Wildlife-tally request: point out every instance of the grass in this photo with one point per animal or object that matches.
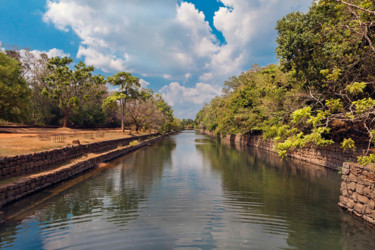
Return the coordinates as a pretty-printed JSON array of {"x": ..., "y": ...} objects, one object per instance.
[
  {"x": 132, "y": 143},
  {"x": 30, "y": 140}
]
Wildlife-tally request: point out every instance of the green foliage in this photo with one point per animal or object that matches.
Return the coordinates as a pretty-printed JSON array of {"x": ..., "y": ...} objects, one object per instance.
[
  {"x": 129, "y": 89},
  {"x": 70, "y": 87},
  {"x": 187, "y": 123},
  {"x": 356, "y": 88},
  {"x": 14, "y": 92},
  {"x": 88, "y": 116},
  {"x": 367, "y": 159},
  {"x": 364, "y": 105},
  {"x": 133, "y": 143},
  {"x": 348, "y": 143},
  {"x": 324, "y": 86},
  {"x": 301, "y": 114}
]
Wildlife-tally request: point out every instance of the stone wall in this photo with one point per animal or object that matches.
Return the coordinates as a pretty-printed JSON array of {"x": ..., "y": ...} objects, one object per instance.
[
  {"x": 27, "y": 185},
  {"x": 31, "y": 163},
  {"x": 331, "y": 156},
  {"x": 358, "y": 190}
]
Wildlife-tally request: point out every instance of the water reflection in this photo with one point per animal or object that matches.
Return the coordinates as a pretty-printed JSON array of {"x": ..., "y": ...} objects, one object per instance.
[
  {"x": 92, "y": 201},
  {"x": 190, "y": 191}
]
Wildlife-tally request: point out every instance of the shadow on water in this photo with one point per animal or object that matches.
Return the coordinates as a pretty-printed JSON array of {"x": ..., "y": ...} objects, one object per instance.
[{"x": 304, "y": 195}]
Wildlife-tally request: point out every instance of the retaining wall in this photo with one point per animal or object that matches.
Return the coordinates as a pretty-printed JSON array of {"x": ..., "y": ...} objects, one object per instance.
[
  {"x": 27, "y": 185},
  {"x": 331, "y": 156},
  {"x": 358, "y": 190},
  {"x": 31, "y": 163}
]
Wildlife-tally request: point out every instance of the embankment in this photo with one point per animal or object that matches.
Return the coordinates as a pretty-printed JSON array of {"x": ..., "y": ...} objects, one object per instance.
[
  {"x": 32, "y": 183},
  {"x": 36, "y": 162},
  {"x": 331, "y": 157},
  {"x": 358, "y": 191}
]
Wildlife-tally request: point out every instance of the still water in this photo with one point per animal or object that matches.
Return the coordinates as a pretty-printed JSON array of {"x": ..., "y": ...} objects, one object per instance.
[{"x": 190, "y": 191}]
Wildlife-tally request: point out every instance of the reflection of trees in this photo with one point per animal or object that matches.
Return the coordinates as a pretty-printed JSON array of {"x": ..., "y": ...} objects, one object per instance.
[
  {"x": 305, "y": 196},
  {"x": 113, "y": 193},
  {"x": 137, "y": 173}
]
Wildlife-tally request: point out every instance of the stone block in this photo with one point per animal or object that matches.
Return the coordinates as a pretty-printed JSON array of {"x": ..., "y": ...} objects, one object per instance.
[
  {"x": 352, "y": 186},
  {"x": 359, "y": 188},
  {"x": 371, "y": 204},
  {"x": 344, "y": 192},
  {"x": 359, "y": 208},
  {"x": 363, "y": 199}
]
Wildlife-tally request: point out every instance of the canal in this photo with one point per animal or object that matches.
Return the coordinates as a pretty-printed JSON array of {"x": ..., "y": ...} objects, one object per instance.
[{"x": 189, "y": 191}]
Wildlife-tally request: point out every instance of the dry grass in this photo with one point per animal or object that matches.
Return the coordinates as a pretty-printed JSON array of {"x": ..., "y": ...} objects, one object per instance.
[{"x": 16, "y": 141}]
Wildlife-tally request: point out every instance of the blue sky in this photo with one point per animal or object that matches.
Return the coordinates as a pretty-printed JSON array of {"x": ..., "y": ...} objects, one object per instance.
[{"x": 184, "y": 50}]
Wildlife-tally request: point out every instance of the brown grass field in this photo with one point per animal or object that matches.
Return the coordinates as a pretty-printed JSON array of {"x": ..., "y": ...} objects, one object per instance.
[{"x": 17, "y": 141}]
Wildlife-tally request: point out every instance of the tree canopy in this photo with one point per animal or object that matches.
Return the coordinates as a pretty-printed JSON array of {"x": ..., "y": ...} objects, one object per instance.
[
  {"x": 14, "y": 92},
  {"x": 322, "y": 92}
]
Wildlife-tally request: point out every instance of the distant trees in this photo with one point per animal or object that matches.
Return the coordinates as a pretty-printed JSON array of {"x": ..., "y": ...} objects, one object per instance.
[{"x": 187, "y": 123}]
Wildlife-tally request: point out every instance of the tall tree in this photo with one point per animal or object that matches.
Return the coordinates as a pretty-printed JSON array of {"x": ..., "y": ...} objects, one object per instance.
[
  {"x": 14, "y": 92},
  {"x": 128, "y": 90},
  {"x": 70, "y": 86}
]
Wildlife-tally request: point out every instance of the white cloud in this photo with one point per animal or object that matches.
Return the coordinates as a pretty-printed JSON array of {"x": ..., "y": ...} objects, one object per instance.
[
  {"x": 106, "y": 62},
  {"x": 206, "y": 77},
  {"x": 155, "y": 36},
  {"x": 187, "y": 76},
  {"x": 187, "y": 101},
  {"x": 144, "y": 83},
  {"x": 164, "y": 39},
  {"x": 167, "y": 76},
  {"x": 51, "y": 53}
]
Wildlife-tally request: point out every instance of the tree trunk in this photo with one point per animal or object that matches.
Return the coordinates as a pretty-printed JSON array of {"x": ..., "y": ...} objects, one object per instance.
[
  {"x": 66, "y": 120},
  {"x": 66, "y": 117},
  {"x": 123, "y": 107}
]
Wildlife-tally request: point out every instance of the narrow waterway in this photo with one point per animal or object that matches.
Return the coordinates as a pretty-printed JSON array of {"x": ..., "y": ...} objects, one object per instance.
[{"x": 190, "y": 191}]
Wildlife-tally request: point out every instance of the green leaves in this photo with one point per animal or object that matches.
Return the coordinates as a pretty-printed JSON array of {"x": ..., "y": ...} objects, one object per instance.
[
  {"x": 70, "y": 87},
  {"x": 14, "y": 92},
  {"x": 356, "y": 88},
  {"x": 301, "y": 114},
  {"x": 348, "y": 143},
  {"x": 364, "y": 105},
  {"x": 334, "y": 105}
]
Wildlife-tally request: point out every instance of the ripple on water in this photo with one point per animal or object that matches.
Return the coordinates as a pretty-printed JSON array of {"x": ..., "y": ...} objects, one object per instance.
[{"x": 192, "y": 192}]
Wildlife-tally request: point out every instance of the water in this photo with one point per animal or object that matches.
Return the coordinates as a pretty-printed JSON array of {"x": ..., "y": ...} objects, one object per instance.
[{"x": 189, "y": 191}]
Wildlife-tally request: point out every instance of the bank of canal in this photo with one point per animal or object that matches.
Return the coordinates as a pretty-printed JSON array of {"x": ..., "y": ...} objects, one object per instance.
[{"x": 189, "y": 190}]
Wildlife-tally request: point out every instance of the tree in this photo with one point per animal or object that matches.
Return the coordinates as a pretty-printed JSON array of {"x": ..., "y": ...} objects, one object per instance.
[
  {"x": 128, "y": 90},
  {"x": 14, "y": 93},
  {"x": 331, "y": 51},
  {"x": 43, "y": 110},
  {"x": 70, "y": 87}
]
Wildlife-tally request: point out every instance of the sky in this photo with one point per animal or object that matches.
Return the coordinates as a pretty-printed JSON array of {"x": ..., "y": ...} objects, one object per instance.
[{"x": 184, "y": 50}]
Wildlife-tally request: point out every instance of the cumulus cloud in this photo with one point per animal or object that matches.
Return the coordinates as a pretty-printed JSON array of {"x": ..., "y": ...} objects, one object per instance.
[
  {"x": 188, "y": 100},
  {"x": 51, "y": 53},
  {"x": 155, "y": 36},
  {"x": 172, "y": 41}
]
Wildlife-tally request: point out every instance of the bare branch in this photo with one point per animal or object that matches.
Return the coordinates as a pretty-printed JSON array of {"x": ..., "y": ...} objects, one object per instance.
[{"x": 356, "y": 6}]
